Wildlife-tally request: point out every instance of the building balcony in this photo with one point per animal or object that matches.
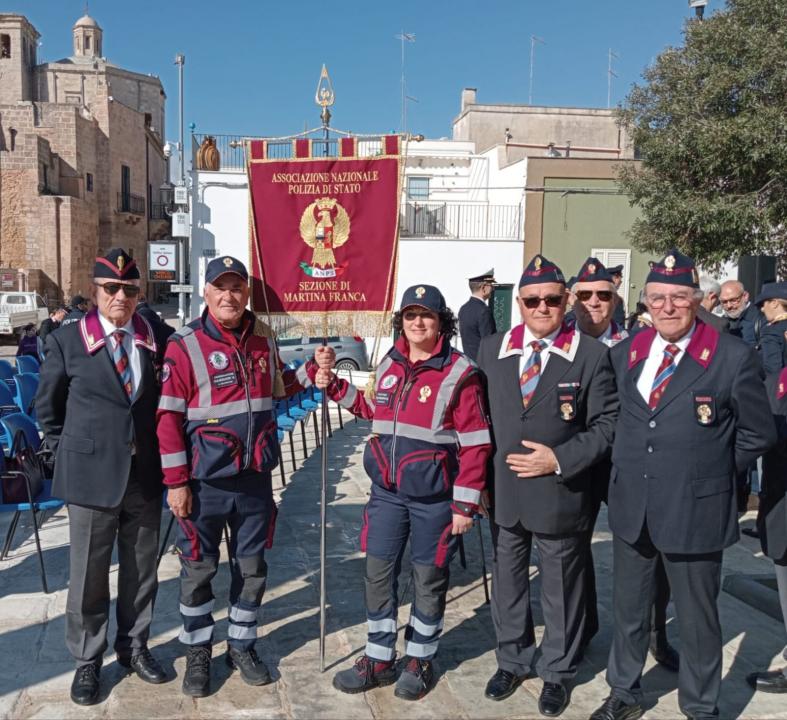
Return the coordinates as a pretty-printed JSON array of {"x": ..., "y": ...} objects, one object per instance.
[
  {"x": 461, "y": 221},
  {"x": 128, "y": 203}
]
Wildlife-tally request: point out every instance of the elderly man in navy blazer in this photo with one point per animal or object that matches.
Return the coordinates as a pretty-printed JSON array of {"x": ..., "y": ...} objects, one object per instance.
[
  {"x": 693, "y": 413},
  {"x": 553, "y": 407}
]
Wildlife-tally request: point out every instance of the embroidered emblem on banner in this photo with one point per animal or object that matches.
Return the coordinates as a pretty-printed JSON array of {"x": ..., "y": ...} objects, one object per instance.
[
  {"x": 388, "y": 382},
  {"x": 424, "y": 393},
  {"x": 218, "y": 360},
  {"x": 325, "y": 226}
]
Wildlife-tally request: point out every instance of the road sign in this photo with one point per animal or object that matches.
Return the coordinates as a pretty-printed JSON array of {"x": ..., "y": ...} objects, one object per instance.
[
  {"x": 181, "y": 288},
  {"x": 162, "y": 261}
]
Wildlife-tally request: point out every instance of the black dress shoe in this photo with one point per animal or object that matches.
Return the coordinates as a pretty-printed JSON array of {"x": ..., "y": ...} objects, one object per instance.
[
  {"x": 503, "y": 684},
  {"x": 145, "y": 666},
  {"x": 771, "y": 681},
  {"x": 553, "y": 699},
  {"x": 615, "y": 709},
  {"x": 665, "y": 655},
  {"x": 84, "y": 688}
]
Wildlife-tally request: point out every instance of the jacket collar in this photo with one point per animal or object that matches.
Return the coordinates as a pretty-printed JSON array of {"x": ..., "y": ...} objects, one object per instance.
[
  {"x": 93, "y": 337},
  {"x": 565, "y": 343},
  {"x": 441, "y": 354},
  {"x": 215, "y": 330},
  {"x": 701, "y": 347}
]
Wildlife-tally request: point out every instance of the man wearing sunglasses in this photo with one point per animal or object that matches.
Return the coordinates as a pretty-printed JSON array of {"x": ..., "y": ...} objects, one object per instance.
[
  {"x": 553, "y": 407},
  {"x": 96, "y": 404},
  {"x": 693, "y": 412}
]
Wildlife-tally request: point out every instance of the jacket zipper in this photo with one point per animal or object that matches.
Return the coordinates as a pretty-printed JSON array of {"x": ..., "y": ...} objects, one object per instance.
[
  {"x": 247, "y": 449},
  {"x": 401, "y": 403}
]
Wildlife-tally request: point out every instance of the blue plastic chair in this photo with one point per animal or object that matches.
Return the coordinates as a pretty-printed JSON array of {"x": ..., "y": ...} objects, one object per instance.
[
  {"x": 7, "y": 370},
  {"x": 26, "y": 388},
  {"x": 285, "y": 424},
  {"x": 27, "y": 364},
  {"x": 26, "y": 436}
]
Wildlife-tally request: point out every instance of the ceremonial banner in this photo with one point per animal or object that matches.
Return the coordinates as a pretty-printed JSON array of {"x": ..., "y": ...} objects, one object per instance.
[{"x": 324, "y": 236}]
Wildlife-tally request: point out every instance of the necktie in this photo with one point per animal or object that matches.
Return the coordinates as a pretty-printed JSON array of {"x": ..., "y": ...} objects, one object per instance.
[
  {"x": 663, "y": 375},
  {"x": 532, "y": 372},
  {"x": 122, "y": 365}
]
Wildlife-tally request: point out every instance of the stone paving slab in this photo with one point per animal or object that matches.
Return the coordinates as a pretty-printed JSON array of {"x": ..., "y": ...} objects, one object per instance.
[{"x": 36, "y": 671}]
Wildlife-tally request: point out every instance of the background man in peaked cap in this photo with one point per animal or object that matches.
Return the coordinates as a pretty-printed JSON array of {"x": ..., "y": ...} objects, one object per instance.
[
  {"x": 693, "y": 412},
  {"x": 96, "y": 404},
  {"x": 476, "y": 319},
  {"x": 553, "y": 407}
]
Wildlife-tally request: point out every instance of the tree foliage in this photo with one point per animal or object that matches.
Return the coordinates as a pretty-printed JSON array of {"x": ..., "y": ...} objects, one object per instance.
[{"x": 710, "y": 126}]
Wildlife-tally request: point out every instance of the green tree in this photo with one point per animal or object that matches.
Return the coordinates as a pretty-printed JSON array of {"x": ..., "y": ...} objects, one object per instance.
[{"x": 710, "y": 126}]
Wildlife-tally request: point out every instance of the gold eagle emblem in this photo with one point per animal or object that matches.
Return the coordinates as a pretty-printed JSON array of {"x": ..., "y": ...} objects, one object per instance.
[{"x": 325, "y": 225}]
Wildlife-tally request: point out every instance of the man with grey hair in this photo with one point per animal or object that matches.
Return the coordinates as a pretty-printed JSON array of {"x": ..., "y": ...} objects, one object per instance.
[
  {"x": 710, "y": 299},
  {"x": 745, "y": 318}
]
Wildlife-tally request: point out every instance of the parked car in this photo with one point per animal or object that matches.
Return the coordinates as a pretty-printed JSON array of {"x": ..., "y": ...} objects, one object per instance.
[
  {"x": 18, "y": 309},
  {"x": 350, "y": 351}
]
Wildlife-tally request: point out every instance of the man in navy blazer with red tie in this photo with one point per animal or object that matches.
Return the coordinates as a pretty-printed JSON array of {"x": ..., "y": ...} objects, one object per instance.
[{"x": 693, "y": 413}]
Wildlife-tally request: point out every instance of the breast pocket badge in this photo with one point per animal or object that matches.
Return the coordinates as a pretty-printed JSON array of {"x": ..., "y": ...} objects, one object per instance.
[
  {"x": 567, "y": 402},
  {"x": 704, "y": 409}
]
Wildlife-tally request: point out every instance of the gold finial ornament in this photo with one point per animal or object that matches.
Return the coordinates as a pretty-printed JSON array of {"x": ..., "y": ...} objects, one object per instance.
[{"x": 324, "y": 96}]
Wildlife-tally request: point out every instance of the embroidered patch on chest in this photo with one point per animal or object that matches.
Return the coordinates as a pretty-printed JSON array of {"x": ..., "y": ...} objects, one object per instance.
[{"x": 218, "y": 360}]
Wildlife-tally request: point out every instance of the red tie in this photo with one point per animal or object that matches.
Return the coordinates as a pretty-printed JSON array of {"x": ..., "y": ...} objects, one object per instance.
[{"x": 663, "y": 375}]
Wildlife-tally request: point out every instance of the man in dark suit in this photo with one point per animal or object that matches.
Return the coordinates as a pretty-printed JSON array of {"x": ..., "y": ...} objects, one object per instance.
[
  {"x": 553, "y": 406},
  {"x": 96, "y": 403},
  {"x": 745, "y": 318},
  {"x": 619, "y": 314},
  {"x": 476, "y": 320},
  {"x": 711, "y": 289},
  {"x": 161, "y": 330},
  {"x": 693, "y": 412}
]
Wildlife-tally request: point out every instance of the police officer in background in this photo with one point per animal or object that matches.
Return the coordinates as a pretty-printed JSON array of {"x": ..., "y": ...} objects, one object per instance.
[
  {"x": 79, "y": 306},
  {"x": 693, "y": 411},
  {"x": 217, "y": 433},
  {"x": 772, "y": 300},
  {"x": 476, "y": 319},
  {"x": 619, "y": 315}
]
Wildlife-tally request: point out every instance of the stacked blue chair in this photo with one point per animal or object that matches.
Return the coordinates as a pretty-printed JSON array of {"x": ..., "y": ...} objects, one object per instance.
[
  {"x": 27, "y": 364},
  {"x": 7, "y": 372},
  {"x": 22, "y": 437},
  {"x": 26, "y": 385}
]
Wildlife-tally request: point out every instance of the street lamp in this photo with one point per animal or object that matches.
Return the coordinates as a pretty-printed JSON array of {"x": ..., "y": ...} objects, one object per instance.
[{"x": 699, "y": 7}]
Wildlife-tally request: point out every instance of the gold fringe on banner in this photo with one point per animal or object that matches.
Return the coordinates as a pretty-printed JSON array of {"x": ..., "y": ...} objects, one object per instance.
[{"x": 321, "y": 324}]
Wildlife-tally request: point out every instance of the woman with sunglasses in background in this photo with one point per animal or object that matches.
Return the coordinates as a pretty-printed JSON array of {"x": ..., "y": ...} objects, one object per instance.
[{"x": 427, "y": 463}]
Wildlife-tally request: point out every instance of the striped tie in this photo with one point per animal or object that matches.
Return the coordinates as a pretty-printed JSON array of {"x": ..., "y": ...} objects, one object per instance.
[
  {"x": 120, "y": 356},
  {"x": 532, "y": 372},
  {"x": 663, "y": 375}
]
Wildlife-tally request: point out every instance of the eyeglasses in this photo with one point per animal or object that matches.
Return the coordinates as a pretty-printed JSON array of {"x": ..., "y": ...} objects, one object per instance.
[
  {"x": 732, "y": 301},
  {"x": 679, "y": 301},
  {"x": 585, "y": 295},
  {"x": 551, "y": 301},
  {"x": 112, "y": 288},
  {"x": 411, "y": 315}
]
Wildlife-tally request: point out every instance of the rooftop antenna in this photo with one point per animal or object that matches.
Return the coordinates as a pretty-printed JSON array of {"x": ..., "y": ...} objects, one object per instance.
[
  {"x": 404, "y": 37},
  {"x": 533, "y": 40},
  {"x": 610, "y": 74}
]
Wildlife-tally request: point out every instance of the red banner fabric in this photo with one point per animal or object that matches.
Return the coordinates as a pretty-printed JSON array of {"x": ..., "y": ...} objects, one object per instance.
[{"x": 324, "y": 240}]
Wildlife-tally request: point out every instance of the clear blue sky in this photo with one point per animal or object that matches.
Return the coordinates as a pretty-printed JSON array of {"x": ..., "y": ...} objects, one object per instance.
[{"x": 252, "y": 65}]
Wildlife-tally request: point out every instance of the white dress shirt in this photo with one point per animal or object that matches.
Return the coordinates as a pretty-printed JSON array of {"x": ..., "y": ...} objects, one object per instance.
[
  {"x": 656, "y": 355},
  {"x": 130, "y": 346},
  {"x": 527, "y": 351}
]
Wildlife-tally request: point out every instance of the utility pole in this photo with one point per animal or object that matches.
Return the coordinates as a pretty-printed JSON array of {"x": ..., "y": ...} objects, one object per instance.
[
  {"x": 533, "y": 40},
  {"x": 404, "y": 37},
  {"x": 610, "y": 74},
  {"x": 180, "y": 61}
]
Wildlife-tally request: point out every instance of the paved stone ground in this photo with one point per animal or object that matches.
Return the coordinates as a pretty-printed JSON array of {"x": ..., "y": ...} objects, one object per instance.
[{"x": 35, "y": 670}]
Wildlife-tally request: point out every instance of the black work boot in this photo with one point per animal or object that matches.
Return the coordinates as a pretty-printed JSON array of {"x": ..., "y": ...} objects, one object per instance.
[
  {"x": 366, "y": 674},
  {"x": 196, "y": 680},
  {"x": 416, "y": 679},
  {"x": 252, "y": 669}
]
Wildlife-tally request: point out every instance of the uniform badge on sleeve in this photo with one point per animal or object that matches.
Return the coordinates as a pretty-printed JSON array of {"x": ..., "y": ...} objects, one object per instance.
[
  {"x": 166, "y": 372},
  {"x": 218, "y": 360}
]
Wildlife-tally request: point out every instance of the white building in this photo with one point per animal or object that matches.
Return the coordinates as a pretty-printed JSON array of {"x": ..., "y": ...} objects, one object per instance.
[{"x": 462, "y": 213}]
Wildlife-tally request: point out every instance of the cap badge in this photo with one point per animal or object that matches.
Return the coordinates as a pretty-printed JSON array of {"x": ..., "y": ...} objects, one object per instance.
[
  {"x": 121, "y": 261},
  {"x": 538, "y": 263},
  {"x": 592, "y": 268},
  {"x": 669, "y": 262},
  {"x": 424, "y": 393},
  {"x": 218, "y": 360},
  {"x": 420, "y": 292},
  {"x": 227, "y": 262}
]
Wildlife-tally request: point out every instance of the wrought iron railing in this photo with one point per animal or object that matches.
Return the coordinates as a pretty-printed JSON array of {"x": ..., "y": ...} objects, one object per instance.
[
  {"x": 158, "y": 211},
  {"x": 128, "y": 203},
  {"x": 462, "y": 221}
]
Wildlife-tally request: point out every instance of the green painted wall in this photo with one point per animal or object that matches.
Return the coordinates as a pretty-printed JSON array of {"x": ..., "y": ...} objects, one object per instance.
[{"x": 573, "y": 224}]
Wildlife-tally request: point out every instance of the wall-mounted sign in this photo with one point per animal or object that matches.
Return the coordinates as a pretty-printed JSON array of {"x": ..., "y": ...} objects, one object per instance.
[
  {"x": 181, "y": 195},
  {"x": 162, "y": 261},
  {"x": 180, "y": 224}
]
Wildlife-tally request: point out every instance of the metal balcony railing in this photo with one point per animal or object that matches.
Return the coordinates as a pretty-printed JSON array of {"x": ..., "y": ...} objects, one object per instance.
[
  {"x": 128, "y": 203},
  {"x": 158, "y": 211},
  {"x": 462, "y": 221}
]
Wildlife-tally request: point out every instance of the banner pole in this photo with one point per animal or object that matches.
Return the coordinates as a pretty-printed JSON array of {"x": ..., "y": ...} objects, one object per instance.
[{"x": 323, "y": 504}]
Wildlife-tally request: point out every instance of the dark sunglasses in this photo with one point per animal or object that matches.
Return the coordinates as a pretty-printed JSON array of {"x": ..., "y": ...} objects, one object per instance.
[
  {"x": 552, "y": 301},
  {"x": 112, "y": 288},
  {"x": 585, "y": 295}
]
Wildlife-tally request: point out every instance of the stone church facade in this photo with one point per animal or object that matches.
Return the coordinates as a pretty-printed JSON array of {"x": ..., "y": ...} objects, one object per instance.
[{"x": 81, "y": 159}]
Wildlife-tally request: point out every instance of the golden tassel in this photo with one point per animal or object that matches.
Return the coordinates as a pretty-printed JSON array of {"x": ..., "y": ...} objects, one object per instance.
[
  {"x": 278, "y": 385},
  {"x": 370, "y": 385}
]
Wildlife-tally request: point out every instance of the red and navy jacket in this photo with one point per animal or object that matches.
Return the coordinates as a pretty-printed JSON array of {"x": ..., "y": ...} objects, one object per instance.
[
  {"x": 430, "y": 427},
  {"x": 215, "y": 416}
]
